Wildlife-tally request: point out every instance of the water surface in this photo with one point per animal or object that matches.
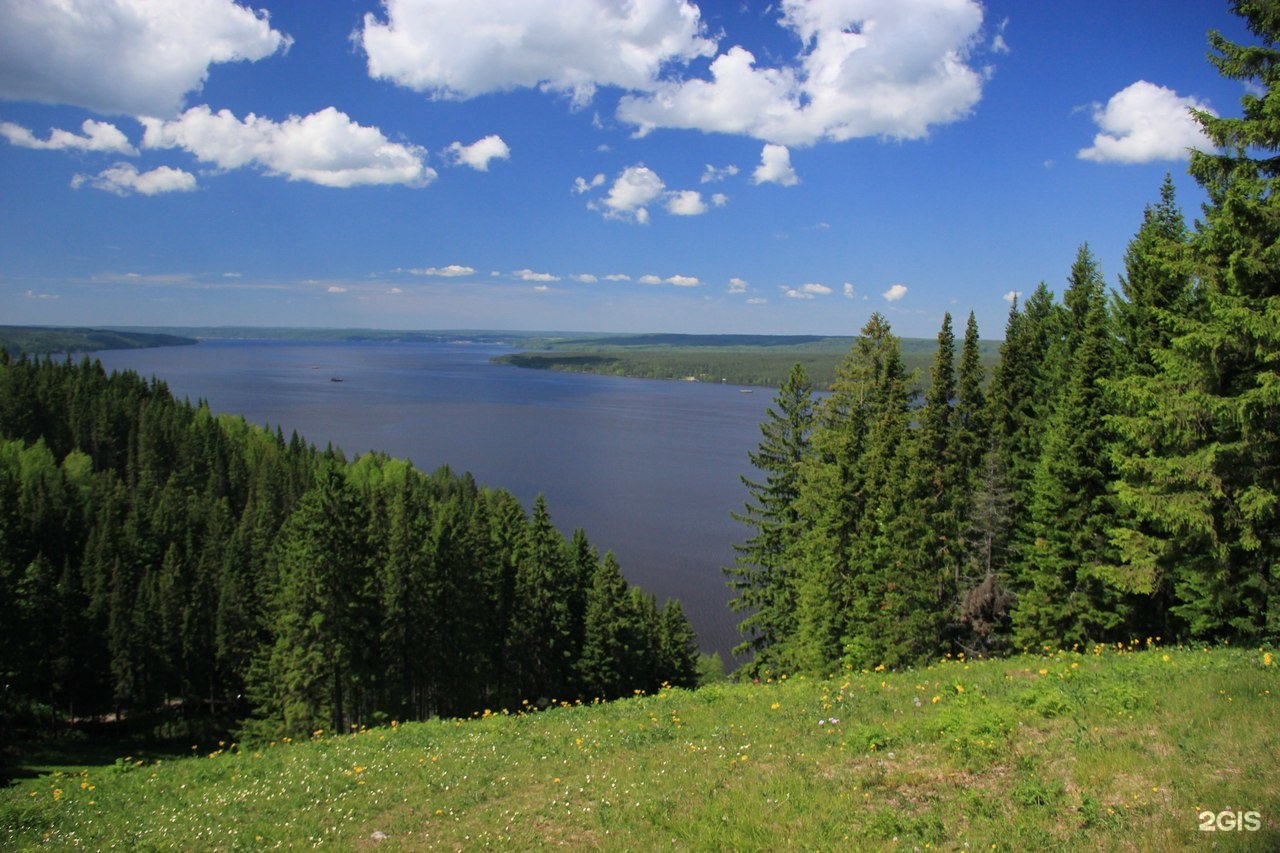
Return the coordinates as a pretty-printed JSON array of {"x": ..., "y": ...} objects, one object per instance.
[{"x": 649, "y": 469}]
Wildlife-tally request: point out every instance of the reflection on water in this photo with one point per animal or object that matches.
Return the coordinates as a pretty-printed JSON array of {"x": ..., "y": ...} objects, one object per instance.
[{"x": 650, "y": 469}]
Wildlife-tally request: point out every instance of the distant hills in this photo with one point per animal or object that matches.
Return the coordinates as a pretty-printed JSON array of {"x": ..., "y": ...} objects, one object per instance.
[{"x": 42, "y": 340}]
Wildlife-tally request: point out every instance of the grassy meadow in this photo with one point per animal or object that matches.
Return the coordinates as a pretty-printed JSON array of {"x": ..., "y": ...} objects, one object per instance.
[{"x": 1108, "y": 748}]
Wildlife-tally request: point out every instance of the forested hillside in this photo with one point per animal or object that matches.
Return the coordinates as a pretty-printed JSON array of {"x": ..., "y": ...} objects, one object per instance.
[
  {"x": 1119, "y": 477},
  {"x": 734, "y": 359},
  {"x": 157, "y": 561},
  {"x": 47, "y": 339}
]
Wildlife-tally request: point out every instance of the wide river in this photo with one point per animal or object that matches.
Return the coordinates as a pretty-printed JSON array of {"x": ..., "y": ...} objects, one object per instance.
[{"x": 649, "y": 469}]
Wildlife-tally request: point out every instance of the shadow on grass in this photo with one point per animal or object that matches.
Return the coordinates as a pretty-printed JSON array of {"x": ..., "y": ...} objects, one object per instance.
[{"x": 27, "y": 753}]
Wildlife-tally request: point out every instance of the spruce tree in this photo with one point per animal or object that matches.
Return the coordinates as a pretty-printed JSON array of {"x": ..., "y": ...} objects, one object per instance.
[
  {"x": 859, "y": 429},
  {"x": 318, "y": 617},
  {"x": 1158, "y": 294},
  {"x": 911, "y": 543},
  {"x": 970, "y": 419},
  {"x": 1205, "y": 481},
  {"x": 1156, "y": 288},
  {"x": 610, "y": 645},
  {"x": 761, "y": 578},
  {"x": 1023, "y": 390},
  {"x": 1063, "y": 594},
  {"x": 542, "y": 637},
  {"x": 677, "y": 647}
]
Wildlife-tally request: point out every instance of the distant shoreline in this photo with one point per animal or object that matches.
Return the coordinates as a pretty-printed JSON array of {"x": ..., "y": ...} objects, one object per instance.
[
  {"x": 46, "y": 340},
  {"x": 731, "y": 359}
]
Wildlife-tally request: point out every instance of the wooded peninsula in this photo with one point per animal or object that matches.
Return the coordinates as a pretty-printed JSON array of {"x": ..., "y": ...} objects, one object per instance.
[{"x": 761, "y": 360}]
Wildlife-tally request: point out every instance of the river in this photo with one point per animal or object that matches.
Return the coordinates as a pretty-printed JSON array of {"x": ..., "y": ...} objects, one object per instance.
[{"x": 649, "y": 469}]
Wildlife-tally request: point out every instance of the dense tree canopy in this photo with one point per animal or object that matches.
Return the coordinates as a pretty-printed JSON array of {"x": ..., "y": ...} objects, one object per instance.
[
  {"x": 156, "y": 556},
  {"x": 1119, "y": 477}
]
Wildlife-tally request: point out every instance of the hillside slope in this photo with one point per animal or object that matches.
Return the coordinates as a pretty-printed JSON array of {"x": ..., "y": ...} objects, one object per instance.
[
  {"x": 1127, "y": 749},
  {"x": 40, "y": 340}
]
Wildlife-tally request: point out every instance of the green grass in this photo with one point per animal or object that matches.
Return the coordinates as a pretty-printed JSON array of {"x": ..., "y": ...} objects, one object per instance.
[{"x": 1110, "y": 749}]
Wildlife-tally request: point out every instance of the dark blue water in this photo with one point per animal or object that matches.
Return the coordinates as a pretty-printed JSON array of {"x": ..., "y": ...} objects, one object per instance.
[{"x": 649, "y": 469}]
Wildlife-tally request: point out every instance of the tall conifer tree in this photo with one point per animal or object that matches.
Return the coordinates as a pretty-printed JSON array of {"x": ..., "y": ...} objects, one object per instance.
[
  {"x": 860, "y": 428},
  {"x": 1063, "y": 595},
  {"x": 761, "y": 577},
  {"x": 1204, "y": 481}
]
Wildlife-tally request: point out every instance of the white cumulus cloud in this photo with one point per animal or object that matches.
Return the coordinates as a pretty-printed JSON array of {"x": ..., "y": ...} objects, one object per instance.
[
  {"x": 686, "y": 203},
  {"x": 683, "y": 280},
  {"x": 1143, "y": 123},
  {"x": 585, "y": 278},
  {"x": 325, "y": 147},
  {"x": 125, "y": 179},
  {"x": 98, "y": 136},
  {"x": 464, "y": 48},
  {"x": 1012, "y": 296},
  {"x": 894, "y": 293},
  {"x": 131, "y": 57},
  {"x": 848, "y": 290},
  {"x": 737, "y": 285},
  {"x": 775, "y": 167},
  {"x": 480, "y": 153},
  {"x": 631, "y": 192},
  {"x": 650, "y": 279},
  {"x": 888, "y": 68}
]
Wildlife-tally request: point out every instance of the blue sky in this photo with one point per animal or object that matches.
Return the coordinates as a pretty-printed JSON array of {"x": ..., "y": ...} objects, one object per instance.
[{"x": 596, "y": 165}]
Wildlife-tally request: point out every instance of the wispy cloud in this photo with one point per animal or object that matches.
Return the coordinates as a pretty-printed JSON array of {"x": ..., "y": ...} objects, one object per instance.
[
  {"x": 99, "y": 136},
  {"x": 530, "y": 275},
  {"x": 712, "y": 174},
  {"x": 450, "y": 271},
  {"x": 807, "y": 291}
]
